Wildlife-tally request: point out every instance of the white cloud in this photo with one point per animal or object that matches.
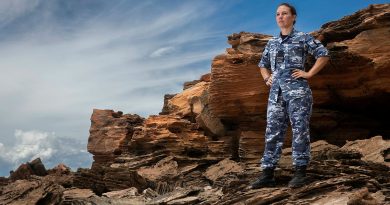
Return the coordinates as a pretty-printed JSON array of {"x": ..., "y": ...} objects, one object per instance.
[
  {"x": 50, "y": 148},
  {"x": 28, "y": 145},
  {"x": 162, "y": 51}
]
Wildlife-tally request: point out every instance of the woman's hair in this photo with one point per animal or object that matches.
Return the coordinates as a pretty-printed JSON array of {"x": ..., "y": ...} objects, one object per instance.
[{"x": 292, "y": 9}]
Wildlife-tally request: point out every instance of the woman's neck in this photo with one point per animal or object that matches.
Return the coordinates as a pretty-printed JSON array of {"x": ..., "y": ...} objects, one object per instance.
[{"x": 286, "y": 31}]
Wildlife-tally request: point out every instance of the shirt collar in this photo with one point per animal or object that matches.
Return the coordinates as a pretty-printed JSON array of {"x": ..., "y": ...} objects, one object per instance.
[{"x": 293, "y": 31}]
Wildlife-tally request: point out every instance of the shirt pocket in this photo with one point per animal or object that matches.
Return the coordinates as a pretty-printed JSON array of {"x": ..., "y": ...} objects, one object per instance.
[
  {"x": 272, "y": 54},
  {"x": 295, "y": 55}
]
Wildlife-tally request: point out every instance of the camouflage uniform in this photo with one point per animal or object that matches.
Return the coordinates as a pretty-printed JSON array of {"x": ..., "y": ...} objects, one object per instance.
[{"x": 289, "y": 98}]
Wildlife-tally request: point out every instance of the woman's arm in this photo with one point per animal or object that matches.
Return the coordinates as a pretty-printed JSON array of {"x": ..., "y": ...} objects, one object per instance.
[
  {"x": 267, "y": 76},
  {"x": 265, "y": 65},
  {"x": 319, "y": 64}
]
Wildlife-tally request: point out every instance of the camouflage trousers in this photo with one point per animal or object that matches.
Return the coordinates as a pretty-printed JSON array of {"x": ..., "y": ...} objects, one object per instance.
[{"x": 298, "y": 110}]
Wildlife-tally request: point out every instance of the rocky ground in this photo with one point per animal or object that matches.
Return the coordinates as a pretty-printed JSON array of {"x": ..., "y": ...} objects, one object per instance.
[
  {"x": 357, "y": 173},
  {"x": 205, "y": 145}
]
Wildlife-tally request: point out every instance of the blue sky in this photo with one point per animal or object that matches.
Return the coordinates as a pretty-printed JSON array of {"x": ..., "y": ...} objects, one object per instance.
[{"x": 61, "y": 59}]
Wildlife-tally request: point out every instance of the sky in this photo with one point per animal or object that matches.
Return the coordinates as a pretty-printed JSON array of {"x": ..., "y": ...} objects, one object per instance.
[{"x": 61, "y": 59}]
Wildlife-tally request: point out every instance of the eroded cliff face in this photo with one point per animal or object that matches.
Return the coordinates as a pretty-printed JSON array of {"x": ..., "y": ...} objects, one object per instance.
[{"x": 205, "y": 145}]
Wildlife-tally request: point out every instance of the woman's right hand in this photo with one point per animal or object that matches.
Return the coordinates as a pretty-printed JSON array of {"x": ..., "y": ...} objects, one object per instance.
[{"x": 269, "y": 81}]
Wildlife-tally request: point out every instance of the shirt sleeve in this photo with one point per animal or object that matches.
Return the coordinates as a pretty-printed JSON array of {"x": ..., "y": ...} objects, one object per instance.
[
  {"x": 265, "y": 58},
  {"x": 315, "y": 47}
]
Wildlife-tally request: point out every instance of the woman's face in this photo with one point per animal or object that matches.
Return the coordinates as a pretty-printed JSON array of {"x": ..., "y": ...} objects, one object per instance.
[{"x": 284, "y": 17}]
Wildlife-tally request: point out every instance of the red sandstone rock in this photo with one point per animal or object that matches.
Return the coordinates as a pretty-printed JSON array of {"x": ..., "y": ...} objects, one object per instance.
[
  {"x": 169, "y": 133},
  {"x": 185, "y": 104},
  {"x": 109, "y": 132},
  {"x": 236, "y": 91},
  {"x": 203, "y": 78},
  {"x": 206, "y": 77},
  {"x": 32, "y": 191},
  {"x": 24, "y": 171},
  {"x": 221, "y": 168},
  {"x": 3, "y": 181},
  {"x": 373, "y": 149},
  {"x": 166, "y": 168},
  {"x": 211, "y": 124},
  {"x": 60, "y": 169}
]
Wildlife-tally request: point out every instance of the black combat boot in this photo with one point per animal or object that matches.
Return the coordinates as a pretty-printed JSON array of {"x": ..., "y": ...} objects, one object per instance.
[
  {"x": 299, "y": 178},
  {"x": 266, "y": 179}
]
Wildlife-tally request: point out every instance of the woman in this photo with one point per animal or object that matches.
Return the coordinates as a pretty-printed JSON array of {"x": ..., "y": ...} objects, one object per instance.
[{"x": 282, "y": 67}]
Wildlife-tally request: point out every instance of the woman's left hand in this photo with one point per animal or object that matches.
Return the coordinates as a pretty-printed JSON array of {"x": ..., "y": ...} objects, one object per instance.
[{"x": 300, "y": 74}]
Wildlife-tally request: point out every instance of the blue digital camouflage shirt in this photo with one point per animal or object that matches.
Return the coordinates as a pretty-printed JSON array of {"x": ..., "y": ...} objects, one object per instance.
[{"x": 283, "y": 56}]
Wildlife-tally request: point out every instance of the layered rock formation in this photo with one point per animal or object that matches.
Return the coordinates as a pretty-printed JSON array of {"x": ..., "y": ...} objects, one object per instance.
[
  {"x": 205, "y": 145},
  {"x": 179, "y": 143},
  {"x": 350, "y": 93},
  {"x": 25, "y": 171},
  {"x": 352, "y": 174}
]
